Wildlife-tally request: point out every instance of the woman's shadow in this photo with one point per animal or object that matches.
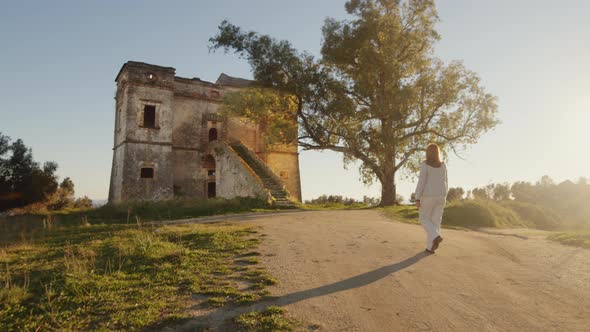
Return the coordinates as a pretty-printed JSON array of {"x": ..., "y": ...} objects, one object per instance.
[
  {"x": 350, "y": 283},
  {"x": 360, "y": 280}
]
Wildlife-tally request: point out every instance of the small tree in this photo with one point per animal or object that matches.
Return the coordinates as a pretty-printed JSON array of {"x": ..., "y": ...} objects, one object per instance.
[
  {"x": 501, "y": 192},
  {"x": 64, "y": 196},
  {"x": 523, "y": 191},
  {"x": 83, "y": 203},
  {"x": 481, "y": 193},
  {"x": 455, "y": 194},
  {"x": 22, "y": 180}
]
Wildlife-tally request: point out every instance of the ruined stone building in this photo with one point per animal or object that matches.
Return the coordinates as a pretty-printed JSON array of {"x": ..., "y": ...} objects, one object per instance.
[{"x": 171, "y": 142}]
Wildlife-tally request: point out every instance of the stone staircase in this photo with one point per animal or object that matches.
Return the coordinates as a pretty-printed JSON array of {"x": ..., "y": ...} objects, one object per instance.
[{"x": 271, "y": 182}]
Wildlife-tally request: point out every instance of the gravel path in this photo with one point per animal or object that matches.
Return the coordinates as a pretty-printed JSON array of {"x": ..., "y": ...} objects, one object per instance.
[{"x": 358, "y": 271}]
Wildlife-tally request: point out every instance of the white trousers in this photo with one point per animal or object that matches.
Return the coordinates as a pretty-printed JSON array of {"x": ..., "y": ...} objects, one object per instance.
[{"x": 430, "y": 216}]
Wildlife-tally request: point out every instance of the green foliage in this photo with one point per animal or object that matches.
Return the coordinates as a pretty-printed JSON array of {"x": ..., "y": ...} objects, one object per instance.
[
  {"x": 122, "y": 277},
  {"x": 271, "y": 319},
  {"x": 568, "y": 199},
  {"x": 488, "y": 213},
  {"x": 455, "y": 194},
  {"x": 545, "y": 201},
  {"x": 498, "y": 192},
  {"x": 338, "y": 202},
  {"x": 276, "y": 112},
  {"x": 483, "y": 193},
  {"x": 377, "y": 95},
  {"x": 539, "y": 216},
  {"x": 130, "y": 213},
  {"x": 339, "y": 199},
  {"x": 22, "y": 180},
  {"x": 175, "y": 209},
  {"x": 83, "y": 203},
  {"x": 481, "y": 213},
  {"x": 335, "y": 206},
  {"x": 576, "y": 239},
  {"x": 405, "y": 213},
  {"x": 463, "y": 214},
  {"x": 501, "y": 192},
  {"x": 63, "y": 197}
]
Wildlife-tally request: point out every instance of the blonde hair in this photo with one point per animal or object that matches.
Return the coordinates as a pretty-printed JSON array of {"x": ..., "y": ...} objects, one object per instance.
[{"x": 433, "y": 155}]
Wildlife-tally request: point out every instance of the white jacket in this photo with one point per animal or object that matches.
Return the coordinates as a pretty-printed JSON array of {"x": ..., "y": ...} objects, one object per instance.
[{"x": 432, "y": 182}]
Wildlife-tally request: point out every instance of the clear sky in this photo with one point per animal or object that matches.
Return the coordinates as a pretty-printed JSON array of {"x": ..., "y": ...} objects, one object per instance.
[{"x": 58, "y": 61}]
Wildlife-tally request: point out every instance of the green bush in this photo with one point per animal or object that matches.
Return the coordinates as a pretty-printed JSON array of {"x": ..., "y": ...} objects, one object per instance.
[
  {"x": 576, "y": 239},
  {"x": 481, "y": 213},
  {"x": 539, "y": 216},
  {"x": 335, "y": 206},
  {"x": 405, "y": 213}
]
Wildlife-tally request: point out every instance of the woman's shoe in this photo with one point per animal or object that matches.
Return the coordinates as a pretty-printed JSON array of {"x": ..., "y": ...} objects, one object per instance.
[
  {"x": 436, "y": 242},
  {"x": 430, "y": 251}
]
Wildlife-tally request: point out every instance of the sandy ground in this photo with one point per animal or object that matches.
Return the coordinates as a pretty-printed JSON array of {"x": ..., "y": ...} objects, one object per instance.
[{"x": 359, "y": 271}]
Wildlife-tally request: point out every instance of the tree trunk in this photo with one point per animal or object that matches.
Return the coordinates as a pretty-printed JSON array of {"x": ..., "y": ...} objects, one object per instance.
[
  {"x": 388, "y": 189},
  {"x": 388, "y": 166}
]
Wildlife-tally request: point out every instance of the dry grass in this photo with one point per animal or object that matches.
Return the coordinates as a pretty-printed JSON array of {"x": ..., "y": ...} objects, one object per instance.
[{"x": 125, "y": 277}]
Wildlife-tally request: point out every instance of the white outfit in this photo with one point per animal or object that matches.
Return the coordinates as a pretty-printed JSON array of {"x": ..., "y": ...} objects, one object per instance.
[{"x": 432, "y": 191}]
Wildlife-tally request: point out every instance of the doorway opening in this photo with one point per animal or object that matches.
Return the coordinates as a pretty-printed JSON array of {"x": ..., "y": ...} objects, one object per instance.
[
  {"x": 210, "y": 189},
  {"x": 209, "y": 166}
]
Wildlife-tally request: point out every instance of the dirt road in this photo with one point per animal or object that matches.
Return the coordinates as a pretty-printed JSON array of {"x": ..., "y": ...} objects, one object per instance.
[{"x": 358, "y": 271}]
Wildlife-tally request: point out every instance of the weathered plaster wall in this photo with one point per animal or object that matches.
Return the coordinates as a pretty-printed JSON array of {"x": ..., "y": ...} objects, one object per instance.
[
  {"x": 138, "y": 97},
  {"x": 188, "y": 177},
  {"x": 234, "y": 178},
  {"x": 121, "y": 115},
  {"x": 244, "y": 131},
  {"x": 286, "y": 166},
  {"x": 116, "y": 184},
  {"x": 187, "y": 122},
  {"x": 138, "y": 155}
]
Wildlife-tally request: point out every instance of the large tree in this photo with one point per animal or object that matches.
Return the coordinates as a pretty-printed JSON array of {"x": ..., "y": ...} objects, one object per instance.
[
  {"x": 377, "y": 94},
  {"x": 22, "y": 180}
]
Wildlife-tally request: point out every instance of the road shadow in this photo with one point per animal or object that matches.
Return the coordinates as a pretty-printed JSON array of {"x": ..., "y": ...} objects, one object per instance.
[
  {"x": 350, "y": 283},
  {"x": 219, "y": 316}
]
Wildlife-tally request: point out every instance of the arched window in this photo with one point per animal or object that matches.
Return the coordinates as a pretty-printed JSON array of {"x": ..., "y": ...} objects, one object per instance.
[{"x": 212, "y": 134}]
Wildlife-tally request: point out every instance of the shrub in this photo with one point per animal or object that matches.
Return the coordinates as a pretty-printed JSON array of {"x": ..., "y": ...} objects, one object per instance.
[
  {"x": 454, "y": 194},
  {"x": 576, "y": 239},
  {"x": 539, "y": 216},
  {"x": 480, "y": 213}
]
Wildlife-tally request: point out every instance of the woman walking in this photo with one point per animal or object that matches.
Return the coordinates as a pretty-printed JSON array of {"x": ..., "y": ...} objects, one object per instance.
[{"x": 431, "y": 195}]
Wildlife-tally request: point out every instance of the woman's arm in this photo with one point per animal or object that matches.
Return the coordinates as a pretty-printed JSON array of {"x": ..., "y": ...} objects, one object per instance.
[
  {"x": 421, "y": 181},
  {"x": 446, "y": 180}
]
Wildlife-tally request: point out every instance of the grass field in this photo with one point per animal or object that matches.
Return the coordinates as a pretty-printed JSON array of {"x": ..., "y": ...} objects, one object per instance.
[
  {"x": 335, "y": 206},
  {"x": 127, "y": 214},
  {"x": 468, "y": 214},
  {"x": 126, "y": 277},
  {"x": 408, "y": 214},
  {"x": 153, "y": 211},
  {"x": 271, "y": 319},
  {"x": 576, "y": 239},
  {"x": 475, "y": 214}
]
